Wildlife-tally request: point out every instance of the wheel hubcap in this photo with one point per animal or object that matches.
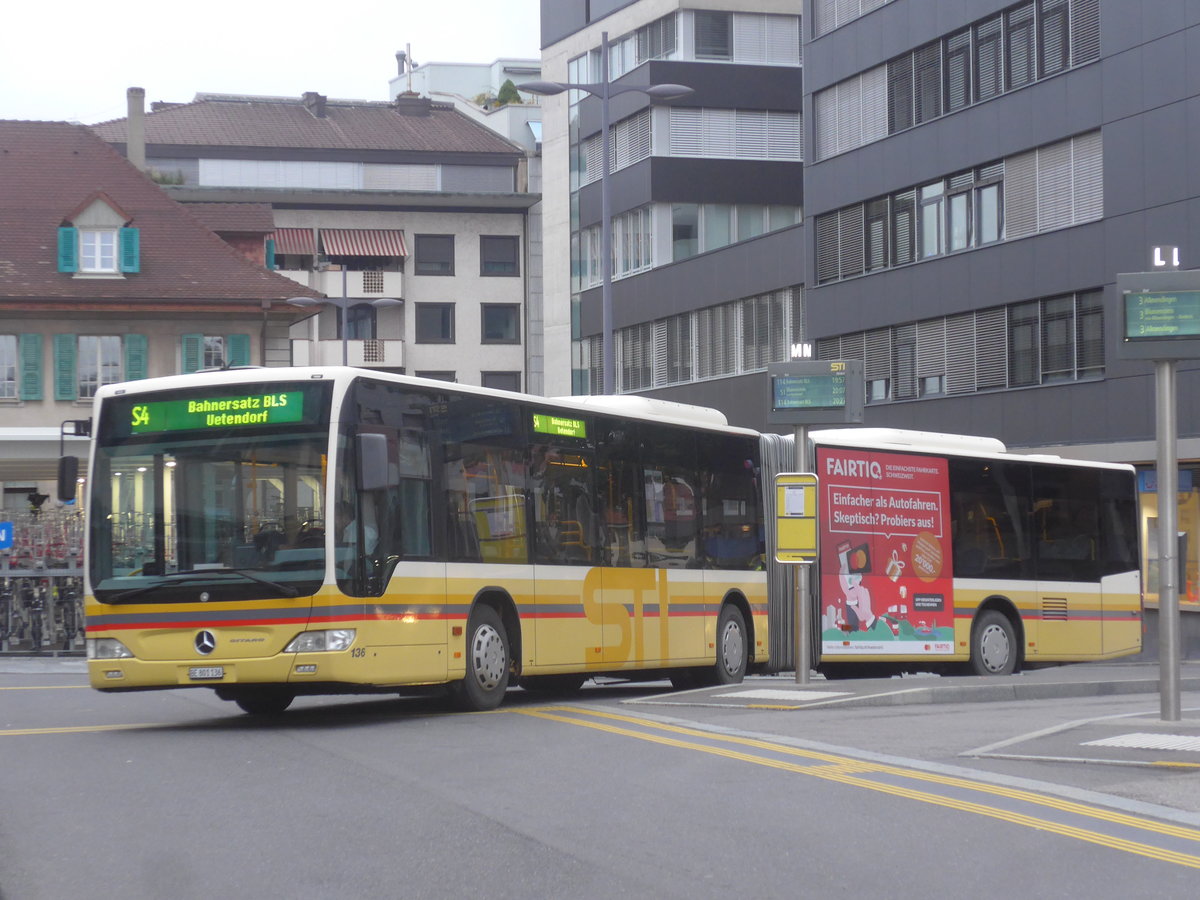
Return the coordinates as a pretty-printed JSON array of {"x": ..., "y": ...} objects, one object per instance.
[
  {"x": 733, "y": 648},
  {"x": 488, "y": 658},
  {"x": 994, "y": 649}
]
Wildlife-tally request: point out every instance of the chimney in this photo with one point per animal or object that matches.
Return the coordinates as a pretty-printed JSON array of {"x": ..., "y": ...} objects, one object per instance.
[
  {"x": 314, "y": 103},
  {"x": 412, "y": 104},
  {"x": 135, "y": 138}
]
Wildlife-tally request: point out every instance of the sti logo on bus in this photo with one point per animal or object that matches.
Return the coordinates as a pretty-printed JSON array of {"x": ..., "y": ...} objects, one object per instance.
[{"x": 216, "y": 412}]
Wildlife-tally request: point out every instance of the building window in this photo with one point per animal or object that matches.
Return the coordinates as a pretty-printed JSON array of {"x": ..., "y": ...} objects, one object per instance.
[
  {"x": 97, "y": 250},
  {"x": 439, "y": 375},
  {"x": 9, "y": 363},
  {"x": 97, "y": 362},
  {"x": 214, "y": 351},
  {"x": 435, "y": 323},
  {"x": 501, "y": 323},
  {"x": 501, "y": 381},
  {"x": 685, "y": 230},
  {"x": 361, "y": 320},
  {"x": 499, "y": 255},
  {"x": 714, "y": 35},
  {"x": 434, "y": 254}
]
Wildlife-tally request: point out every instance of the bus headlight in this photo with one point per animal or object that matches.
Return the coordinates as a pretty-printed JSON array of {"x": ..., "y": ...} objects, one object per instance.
[
  {"x": 107, "y": 648},
  {"x": 321, "y": 641}
]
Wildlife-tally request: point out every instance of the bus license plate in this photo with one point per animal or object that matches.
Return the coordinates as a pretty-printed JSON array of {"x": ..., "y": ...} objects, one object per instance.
[{"x": 200, "y": 673}]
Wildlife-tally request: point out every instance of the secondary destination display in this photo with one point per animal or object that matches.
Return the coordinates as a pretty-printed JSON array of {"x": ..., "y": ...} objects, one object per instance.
[
  {"x": 1154, "y": 315},
  {"x": 559, "y": 426},
  {"x": 816, "y": 392},
  {"x": 827, "y": 391},
  {"x": 216, "y": 412}
]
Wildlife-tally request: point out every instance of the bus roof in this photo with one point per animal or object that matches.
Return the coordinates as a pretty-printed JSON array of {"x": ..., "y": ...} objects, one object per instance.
[
  {"x": 936, "y": 442},
  {"x": 625, "y": 406}
]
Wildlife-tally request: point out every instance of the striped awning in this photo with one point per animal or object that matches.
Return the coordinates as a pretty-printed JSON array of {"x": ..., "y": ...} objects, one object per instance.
[
  {"x": 298, "y": 241},
  {"x": 363, "y": 242}
]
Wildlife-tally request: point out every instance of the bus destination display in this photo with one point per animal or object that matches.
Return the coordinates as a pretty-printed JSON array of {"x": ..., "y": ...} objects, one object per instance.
[
  {"x": 1155, "y": 315},
  {"x": 216, "y": 412},
  {"x": 825, "y": 391},
  {"x": 559, "y": 426}
]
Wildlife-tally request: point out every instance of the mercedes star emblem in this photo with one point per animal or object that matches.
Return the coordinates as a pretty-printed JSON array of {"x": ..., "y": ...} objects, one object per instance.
[{"x": 206, "y": 642}]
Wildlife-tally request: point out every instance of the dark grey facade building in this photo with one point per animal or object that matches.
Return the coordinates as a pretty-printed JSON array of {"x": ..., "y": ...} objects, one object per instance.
[{"x": 975, "y": 175}]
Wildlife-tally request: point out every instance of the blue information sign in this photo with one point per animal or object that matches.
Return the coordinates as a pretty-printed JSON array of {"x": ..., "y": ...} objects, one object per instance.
[{"x": 6, "y": 535}]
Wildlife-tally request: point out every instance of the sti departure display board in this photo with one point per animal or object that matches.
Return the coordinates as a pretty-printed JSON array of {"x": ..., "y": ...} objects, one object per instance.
[
  {"x": 812, "y": 392},
  {"x": 1155, "y": 315}
]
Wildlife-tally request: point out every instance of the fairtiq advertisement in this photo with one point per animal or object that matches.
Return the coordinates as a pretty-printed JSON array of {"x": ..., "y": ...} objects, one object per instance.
[{"x": 886, "y": 580}]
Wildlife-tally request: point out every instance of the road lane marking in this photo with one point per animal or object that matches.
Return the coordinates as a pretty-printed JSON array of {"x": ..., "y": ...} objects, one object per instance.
[
  {"x": 47, "y": 687},
  {"x": 861, "y": 773},
  {"x": 76, "y": 729}
]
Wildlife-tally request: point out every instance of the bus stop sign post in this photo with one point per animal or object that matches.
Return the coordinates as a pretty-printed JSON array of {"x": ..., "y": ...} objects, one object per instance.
[
  {"x": 802, "y": 393},
  {"x": 1162, "y": 324}
]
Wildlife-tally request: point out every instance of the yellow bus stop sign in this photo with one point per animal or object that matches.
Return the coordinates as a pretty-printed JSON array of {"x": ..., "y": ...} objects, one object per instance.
[{"x": 795, "y": 517}]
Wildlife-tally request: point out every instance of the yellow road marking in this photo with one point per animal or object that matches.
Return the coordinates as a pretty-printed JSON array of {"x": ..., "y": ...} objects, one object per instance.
[
  {"x": 74, "y": 729},
  {"x": 47, "y": 687},
  {"x": 846, "y": 770}
]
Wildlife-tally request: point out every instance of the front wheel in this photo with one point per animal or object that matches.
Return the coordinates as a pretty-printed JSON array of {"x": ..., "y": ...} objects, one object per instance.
[
  {"x": 488, "y": 663},
  {"x": 993, "y": 644},
  {"x": 264, "y": 701}
]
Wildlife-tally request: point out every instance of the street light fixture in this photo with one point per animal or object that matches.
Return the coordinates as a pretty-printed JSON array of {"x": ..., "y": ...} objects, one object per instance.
[
  {"x": 604, "y": 90},
  {"x": 343, "y": 303}
]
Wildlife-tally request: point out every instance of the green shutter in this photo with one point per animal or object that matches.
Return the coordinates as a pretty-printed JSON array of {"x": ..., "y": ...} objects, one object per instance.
[
  {"x": 131, "y": 255},
  {"x": 135, "y": 357},
  {"x": 237, "y": 350},
  {"x": 65, "y": 385},
  {"x": 31, "y": 367},
  {"x": 270, "y": 253},
  {"x": 192, "y": 352},
  {"x": 68, "y": 249}
]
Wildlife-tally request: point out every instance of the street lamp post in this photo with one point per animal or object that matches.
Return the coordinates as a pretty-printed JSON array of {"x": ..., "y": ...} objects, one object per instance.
[
  {"x": 343, "y": 303},
  {"x": 604, "y": 90}
]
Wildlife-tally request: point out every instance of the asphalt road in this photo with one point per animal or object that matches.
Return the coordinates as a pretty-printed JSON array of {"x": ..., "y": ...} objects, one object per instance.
[{"x": 611, "y": 793}]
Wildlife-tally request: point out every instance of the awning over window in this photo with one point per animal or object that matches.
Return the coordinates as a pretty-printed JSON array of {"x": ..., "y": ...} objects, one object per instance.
[
  {"x": 363, "y": 242},
  {"x": 298, "y": 241}
]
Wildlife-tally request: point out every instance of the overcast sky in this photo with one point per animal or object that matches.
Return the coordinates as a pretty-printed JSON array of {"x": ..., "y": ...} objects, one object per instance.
[{"x": 73, "y": 60}]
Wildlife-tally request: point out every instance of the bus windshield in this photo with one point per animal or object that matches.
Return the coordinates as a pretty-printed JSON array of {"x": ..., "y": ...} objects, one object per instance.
[{"x": 220, "y": 513}]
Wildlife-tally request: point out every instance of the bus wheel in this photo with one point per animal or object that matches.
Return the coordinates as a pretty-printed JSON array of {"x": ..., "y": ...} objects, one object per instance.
[
  {"x": 732, "y": 659},
  {"x": 264, "y": 701},
  {"x": 487, "y": 663},
  {"x": 993, "y": 645}
]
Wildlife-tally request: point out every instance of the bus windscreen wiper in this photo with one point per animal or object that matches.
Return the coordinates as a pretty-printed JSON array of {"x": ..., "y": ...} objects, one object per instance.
[{"x": 283, "y": 589}]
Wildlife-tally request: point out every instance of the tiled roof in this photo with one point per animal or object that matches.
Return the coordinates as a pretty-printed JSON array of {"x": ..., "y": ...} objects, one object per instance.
[
  {"x": 235, "y": 217},
  {"x": 409, "y": 124},
  {"x": 47, "y": 169}
]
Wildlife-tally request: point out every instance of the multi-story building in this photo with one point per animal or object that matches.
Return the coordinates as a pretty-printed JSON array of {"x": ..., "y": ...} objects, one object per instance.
[
  {"x": 707, "y": 194},
  {"x": 404, "y": 200}
]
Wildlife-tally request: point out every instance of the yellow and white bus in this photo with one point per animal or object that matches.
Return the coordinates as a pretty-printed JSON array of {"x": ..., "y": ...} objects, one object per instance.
[
  {"x": 942, "y": 550},
  {"x": 275, "y": 532}
]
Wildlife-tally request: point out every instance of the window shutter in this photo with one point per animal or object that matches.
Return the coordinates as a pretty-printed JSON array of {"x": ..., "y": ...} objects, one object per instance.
[
  {"x": 31, "y": 367},
  {"x": 65, "y": 386},
  {"x": 1054, "y": 184},
  {"x": 1020, "y": 195},
  {"x": 191, "y": 352},
  {"x": 749, "y": 38},
  {"x": 931, "y": 348},
  {"x": 850, "y": 114},
  {"x": 270, "y": 253},
  {"x": 68, "y": 249},
  {"x": 827, "y": 247},
  {"x": 686, "y": 127},
  {"x": 1088, "y": 176},
  {"x": 824, "y": 17},
  {"x": 719, "y": 134},
  {"x": 135, "y": 357},
  {"x": 238, "y": 352},
  {"x": 960, "y": 354},
  {"x": 927, "y": 62},
  {"x": 783, "y": 40},
  {"x": 131, "y": 256},
  {"x": 904, "y": 364},
  {"x": 958, "y": 70},
  {"x": 825, "y": 122},
  {"x": 900, "y": 93},
  {"x": 1085, "y": 31},
  {"x": 850, "y": 229},
  {"x": 874, "y": 104},
  {"x": 991, "y": 348},
  {"x": 751, "y": 134}
]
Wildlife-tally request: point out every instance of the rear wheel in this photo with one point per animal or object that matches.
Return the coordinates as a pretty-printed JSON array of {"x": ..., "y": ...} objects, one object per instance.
[
  {"x": 993, "y": 644},
  {"x": 488, "y": 663},
  {"x": 732, "y": 649},
  {"x": 264, "y": 701}
]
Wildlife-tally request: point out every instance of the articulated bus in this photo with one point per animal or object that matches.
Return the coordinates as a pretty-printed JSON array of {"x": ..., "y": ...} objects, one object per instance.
[
  {"x": 276, "y": 532},
  {"x": 269, "y": 533},
  {"x": 939, "y": 550}
]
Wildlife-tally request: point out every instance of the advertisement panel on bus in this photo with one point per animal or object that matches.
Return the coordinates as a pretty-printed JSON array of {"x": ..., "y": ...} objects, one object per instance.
[{"x": 886, "y": 579}]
